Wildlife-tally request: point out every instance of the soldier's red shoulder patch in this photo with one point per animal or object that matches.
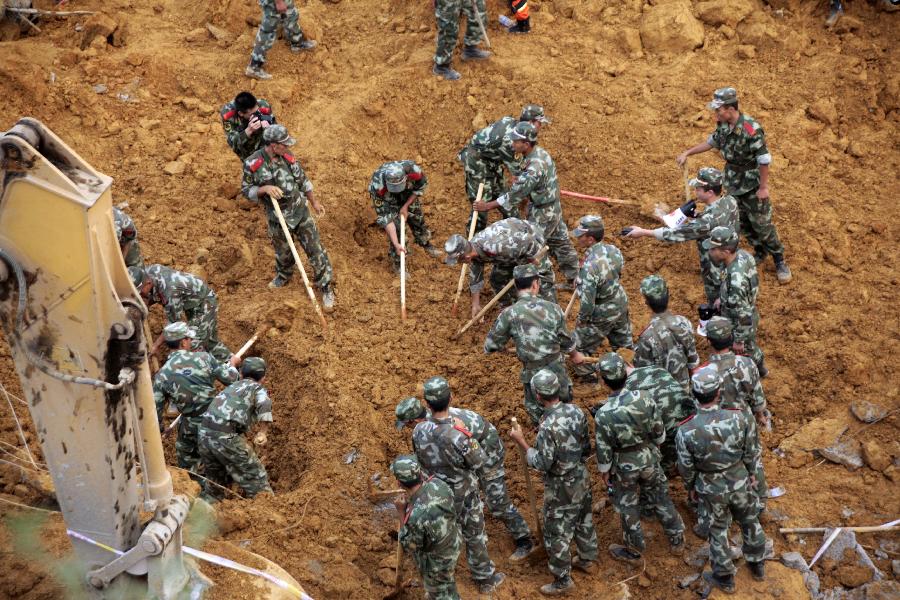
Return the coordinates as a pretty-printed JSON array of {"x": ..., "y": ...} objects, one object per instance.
[
  {"x": 644, "y": 329},
  {"x": 381, "y": 192},
  {"x": 229, "y": 115},
  {"x": 731, "y": 408},
  {"x": 256, "y": 164},
  {"x": 462, "y": 430},
  {"x": 686, "y": 420},
  {"x": 289, "y": 157},
  {"x": 749, "y": 128},
  {"x": 415, "y": 176},
  {"x": 265, "y": 110}
]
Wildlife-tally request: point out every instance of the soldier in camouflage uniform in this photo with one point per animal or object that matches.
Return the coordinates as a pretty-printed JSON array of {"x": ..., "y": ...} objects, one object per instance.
[
  {"x": 492, "y": 475},
  {"x": 716, "y": 456},
  {"x": 504, "y": 245},
  {"x": 629, "y": 428},
  {"x": 486, "y": 155},
  {"x": 604, "y": 303},
  {"x": 428, "y": 528},
  {"x": 539, "y": 331},
  {"x": 720, "y": 211},
  {"x": 538, "y": 183},
  {"x": 275, "y": 12},
  {"x": 187, "y": 381},
  {"x": 562, "y": 446},
  {"x": 273, "y": 174},
  {"x": 742, "y": 143},
  {"x": 396, "y": 189},
  {"x": 447, "y": 450},
  {"x": 668, "y": 341},
  {"x": 244, "y": 120},
  {"x": 226, "y": 454},
  {"x": 183, "y": 295},
  {"x": 447, "y": 14},
  {"x": 126, "y": 233},
  {"x": 737, "y": 296}
]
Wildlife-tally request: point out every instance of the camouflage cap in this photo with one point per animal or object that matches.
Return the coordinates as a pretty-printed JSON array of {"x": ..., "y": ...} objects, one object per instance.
[
  {"x": 545, "y": 383},
  {"x": 654, "y": 287},
  {"x": 408, "y": 410},
  {"x": 278, "y": 134},
  {"x": 705, "y": 380},
  {"x": 455, "y": 246},
  {"x": 706, "y": 177},
  {"x": 612, "y": 366},
  {"x": 137, "y": 276},
  {"x": 395, "y": 178},
  {"x": 406, "y": 469},
  {"x": 721, "y": 237},
  {"x": 525, "y": 271},
  {"x": 723, "y": 96},
  {"x": 590, "y": 224},
  {"x": 533, "y": 112},
  {"x": 178, "y": 330},
  {"x": 718, "y": 328},
  {"x": 436, "y": 389},
  {"x": 253, "y": 366},
  {"x": 524, "y": 131}
]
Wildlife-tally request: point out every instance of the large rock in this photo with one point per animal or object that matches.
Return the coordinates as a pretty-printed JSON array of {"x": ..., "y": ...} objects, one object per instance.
[
  {"x": 724, "y": 12},
  {"x": 98, "y": 25},
  {"x": 875, "y": 456},
  {"x": 671, "y": 27}
]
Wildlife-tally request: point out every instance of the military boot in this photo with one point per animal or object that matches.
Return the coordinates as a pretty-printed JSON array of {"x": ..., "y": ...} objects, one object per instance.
[
  {"x": 304, "y": 44},
  {"x": 723, "y": 582},
  {"x": 676, "y": 546},
  {"x": 620, "y": 552},
  {"x": 558, "y": 587},
  {"x": 279, "y": 282},
  {"x": 585, "y": 566},
  {"x": 782, "y": 271},
  {"x": 432, "y": 251},
  {"x": 525, "y": 547},
  {"x": 256, "y": 72},
  {"x": 487, "y": 586},
  {"x": 523, "y": 26},
  {"x": 757, "y": 570},
  {"x": 445, "y": 71},
  {"x": 328, "y": 298},
  {"x": 474, "y": 53}
]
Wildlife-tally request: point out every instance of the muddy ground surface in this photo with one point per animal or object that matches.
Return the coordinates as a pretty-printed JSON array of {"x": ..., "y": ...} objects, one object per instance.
[{"x": 624, "y": 101}]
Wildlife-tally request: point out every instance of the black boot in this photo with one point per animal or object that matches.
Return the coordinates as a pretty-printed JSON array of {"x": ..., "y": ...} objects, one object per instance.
[
  {"x": 524, "y": 548},
  {"x": 723, "y": 582},
  {"x": 782, "y": 271},
  {"x": 446, "y": 71},
  {"x": 474, "y": 53},
  {"x": 523, "y": 26},
  {"x": 758, "y": 570}
]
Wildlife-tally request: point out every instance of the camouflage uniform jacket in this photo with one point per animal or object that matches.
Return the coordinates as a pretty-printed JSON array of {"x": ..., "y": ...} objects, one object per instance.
[
  {"x": 628, "y": 429},
  {"x": 563, "y": 443},
  {"x": 235, "y": 126},
  {"x": 178, "y": 292},
  {"x": 737, "y": 296},
  {"x": 740, "y": 381},
  {"x": 744, "y": 149},
  {"x": 388, "y": 204},
  {"x": 670, "y": 397},
  {"x": 485, "y": 434},
  {"x": 721, "y": 213},
  {"x": 668, "y": 342},
  {"x": 188, "y": 379},
  {"x": 508, "y": 242},
  {"x": 603, "y": 299},
  {"x": 492, "y": 144},
  {"x": 449, "y": 451},
  {"x": 717, "y": 451},
  {"x": 538, "y": 328},
  {"x": 536, "y": 182},
  {"x": 285, "y": 172},
  {"x": 240, "y": 405},
  {"x": 429, "y": 525}
]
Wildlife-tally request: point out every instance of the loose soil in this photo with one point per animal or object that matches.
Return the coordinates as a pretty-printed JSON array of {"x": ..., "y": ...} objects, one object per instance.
[{"x": 829, "y": 104}]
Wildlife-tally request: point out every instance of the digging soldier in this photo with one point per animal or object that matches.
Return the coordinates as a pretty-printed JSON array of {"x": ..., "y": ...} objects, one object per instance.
[
  {"x": 737, "y": 295},
  {"x": 742, "y": 143},
  {"x": 244, "y": 120},
  {"x": 428, "y": 528},
  {"x": 396, "y": 189},
  {"x": 448, "y": 451},
  {"x": 504, "y": 244},
  {"x": 491, "y": 477},
  {"x": 603, "y": 312},
  {"x": 182, "y": 295},
  {"x": 490, "y": 151},
  {"x": 187, "y": 380},
  {"x": 275, "y": 12},
  {"x": 538, "y": 184},
  {"x": 539, "y": 331},
  {"x": 668, "y": 341},
  {"x": 126, "y": 233},
  {"x": 226, "y": 454},
  {"x": 562, "y": 446},
  {"x": 629, "y": 429},
  {"x": 447, "y": 14},
  {"x": 273, "y": 174},
  {"x": 721, "y": 210},
  {"x": 716, "y": 456}
]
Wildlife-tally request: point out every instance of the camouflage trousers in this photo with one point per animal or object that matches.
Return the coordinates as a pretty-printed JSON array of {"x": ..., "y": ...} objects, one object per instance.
[
  {"x": 503, "y": 274},
  {"x": 187, "y": 446},
  {"x": 229, "y": 457},
  {"x": 447, "y": 14},
  {"x": 751, "y": 346},
  {"x": 590, "y": 336},
  {"x": 416, "y": 221},
  {"x": 496, "y": 496},
  {"x": 491, "y": 175},
  {"x": 721, "y": 508},
  {"x": 756, "y": 223},
  {"x": 470, "y": 518},
  {"x": 759, "y": 495},
  {"x": 533, "y": 406},
  {"x": 711, "y": 273},
  {"x": 557, "y": 236},
  {"x": 628, "y": 488},
  {"x": 567, "y": 515},
  {"x": 131, "y": 252},
  {"x": 205, "y": 320},
  {"x": 268, "y": 29},
  {"x": 307, "y": 234},
  {"x": 438, "y": 575}
]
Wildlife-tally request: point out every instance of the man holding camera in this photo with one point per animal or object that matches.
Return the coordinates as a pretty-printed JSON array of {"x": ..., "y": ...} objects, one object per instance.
[{"x": 244, "y": 119}]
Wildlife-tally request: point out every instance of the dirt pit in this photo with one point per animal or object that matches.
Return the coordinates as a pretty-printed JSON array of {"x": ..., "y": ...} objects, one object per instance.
[{"x": 140, "y": 103}]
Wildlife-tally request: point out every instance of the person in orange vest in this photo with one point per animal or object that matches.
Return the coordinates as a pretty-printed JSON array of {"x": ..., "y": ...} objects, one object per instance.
[{"x": 520, "y": 10}]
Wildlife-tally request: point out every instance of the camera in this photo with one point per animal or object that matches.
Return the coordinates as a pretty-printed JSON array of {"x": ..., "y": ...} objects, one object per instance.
[
  {"x": 265, "y": 118},
  {"x": 707, "y": 311},
  {"x": 625, "y": 231}
]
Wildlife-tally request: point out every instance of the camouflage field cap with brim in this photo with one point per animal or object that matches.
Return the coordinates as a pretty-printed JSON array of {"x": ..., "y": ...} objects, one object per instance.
[
  {"x": 406, "y": 469},
  {"x": 177, "y": 331},
  {"x": 707, "y": 177},
  {"x": 591, "y": 225},
  {"x": 533, "y": 112},
  {"x": 278, "y": 134},
  {"x": 525, "y": 271},
  {"x": 721, "y": 237},
  {"x": 722, "y": 97},
  {"x": 436, "y": 389},
  {"x": 253, "y": 366},
  {"x": 455, "y": 246},
  {"x": 395, "y": 179},
  {"x": 524, "y": 131},
  {"x": 705, "y": 380},
  {"x": 409, "y": 409},
  {"x": 719, "y": 329},
  {"x": 545, "y": 383},
  {"x": 612, "y": 366},
  {"x": 654, "y": 287}
]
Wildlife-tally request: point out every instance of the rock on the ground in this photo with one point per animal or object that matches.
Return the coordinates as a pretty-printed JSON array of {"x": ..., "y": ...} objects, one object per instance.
[
  {"x": 724, "y": 12},
  {"x": 867, "y": 412},
  {"x": 845, "y": 453},
  {"x": 671, "y": 27},
  {"x": 221, "y": 35},
  {"x": 882, "y": 590},
  {"x": 875, "y": 456},
  {"x": 794, "y": 560},
  {"x": 97, "y": 25},
  {"x": 174, "y": 168},
  {"x": 852, "y": 576},
  {"x": 823, "y": 110},
  {"x": 629, "y": 40}
]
